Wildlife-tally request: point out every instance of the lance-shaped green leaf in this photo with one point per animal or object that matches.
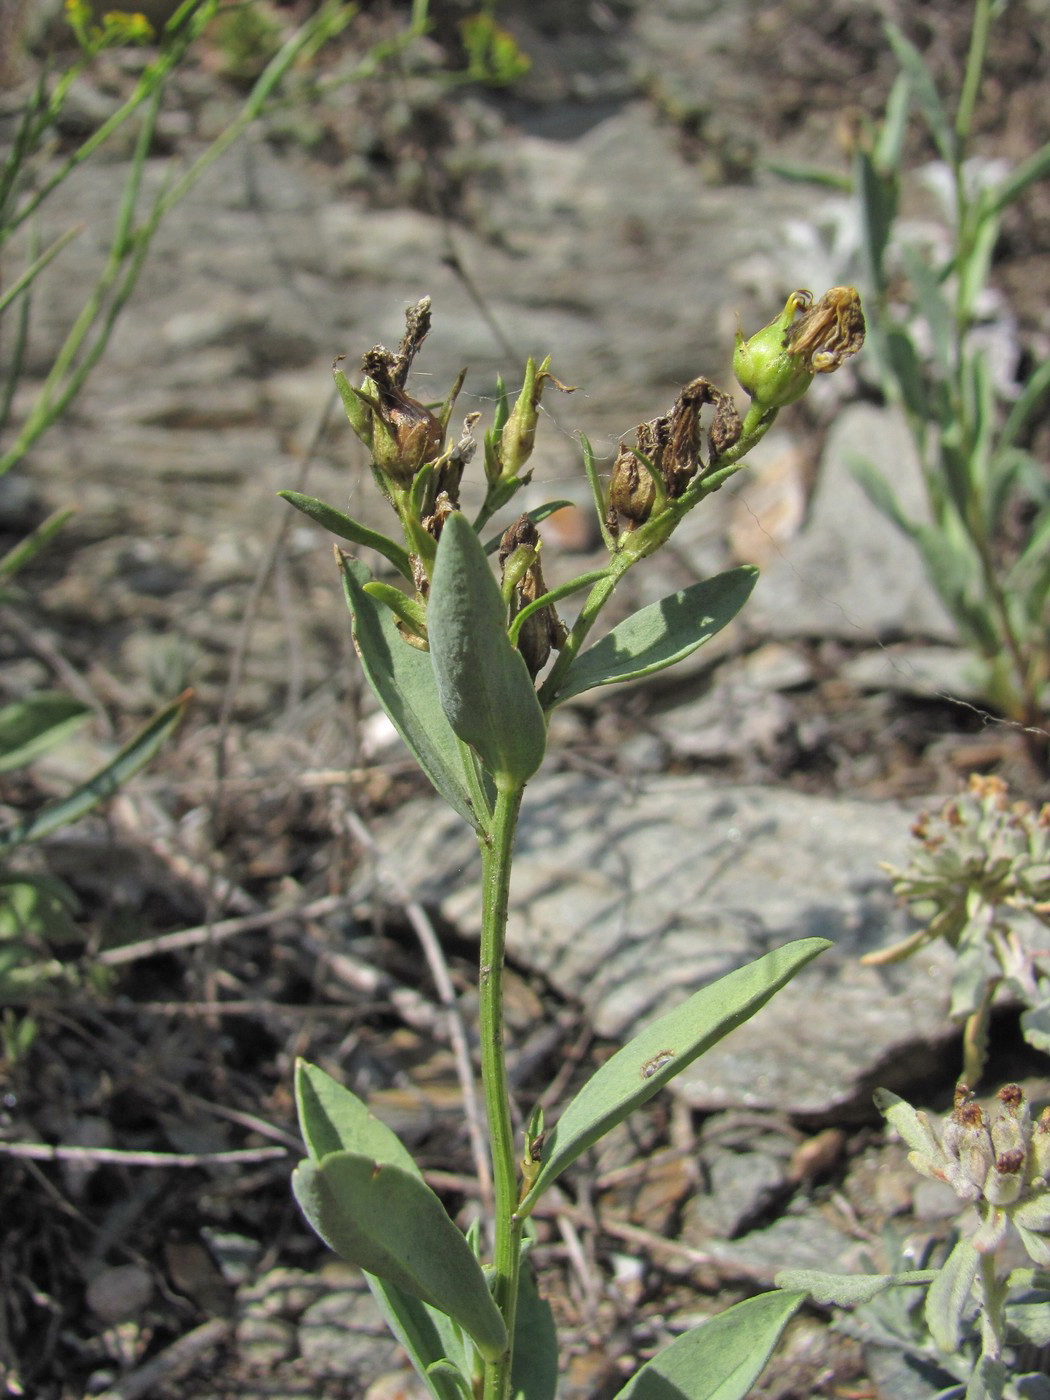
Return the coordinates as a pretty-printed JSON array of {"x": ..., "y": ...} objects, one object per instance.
[
  {"x": 534, "y": 1374},
  {"x": 848, "y": 1290},
  {"x": 332, "y": 1118},
  {"x": 103, "y": 784},
  {"x": 389, "y": 1222},
  {"x": 403, "y": 681},
  {"x": 484, "y": 684},
  {"x": 32, "y": 726},
  {"x": 659, "y": 635},
  {"x": 32, "y": 544},
  {"x": 722, "y": 1358},
  {"x": 349, "y": 529},
  {"x": 663, "y": 1049},
  {"x": 949, "y": 1294}
]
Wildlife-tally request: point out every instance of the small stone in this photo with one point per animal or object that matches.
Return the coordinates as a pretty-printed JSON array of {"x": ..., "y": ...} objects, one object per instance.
[
  {"x": 120, "y": 1293},
  {"x": 265, "y": 1341}
]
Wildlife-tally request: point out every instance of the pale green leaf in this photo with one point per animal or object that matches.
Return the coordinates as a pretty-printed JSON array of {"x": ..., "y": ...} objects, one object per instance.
[
  {"x": 661, "y": 634},
  {"x": 925, "y": 92},
  {"x": 349, "y": 529},
  {"x": 662, "y": 1050},
  {"x": 103, "y": 784},
  {"x": 333, "y": 1119},
  {"x": 534, "y": 1374},
  {"x": 485, "y": 688},
  {"x": 880, "y": 493},
  {"x": 536, "y": 515},
  {"x": 1035, "y": 168},
  {"x": 30, "y": 727},
  {"x": 848, "y": 1290},
  {"x": 389, "y": 1222},
  {"x": 27, "y": 548},
  {"x": 403, "y": 681},
  {"x": 722, "y": 1358},
  {"x": 948, "y": 1296}
]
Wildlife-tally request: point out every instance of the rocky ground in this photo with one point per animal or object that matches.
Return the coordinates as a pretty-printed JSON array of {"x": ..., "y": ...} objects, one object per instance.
[{"x": 620, "y": 209}]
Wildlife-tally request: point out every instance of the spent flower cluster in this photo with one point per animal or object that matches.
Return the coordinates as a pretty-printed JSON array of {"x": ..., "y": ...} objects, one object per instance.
[
  {"x": 982, "y": 1323},
  {"x": 1000, "y": 1164},
  {"x": 979, "y": 878}
]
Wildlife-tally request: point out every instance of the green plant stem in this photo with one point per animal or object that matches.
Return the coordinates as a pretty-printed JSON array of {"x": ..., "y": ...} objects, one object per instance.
[
  {"x": 992, "y": 1298},
  {"x": 497, "y": 848},
  {"x": 588, "y": 615},
  {"x": 982, "y": 18}
]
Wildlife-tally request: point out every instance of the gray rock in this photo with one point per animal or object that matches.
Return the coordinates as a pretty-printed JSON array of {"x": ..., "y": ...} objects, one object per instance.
[
  {"x": 740, "y": 1186},
  {"x": 916, "y": 670},
  {"x": 850, "y": 573},
  {"x": 806, "y": 1240},
  {"x": 629, "y": 898}
]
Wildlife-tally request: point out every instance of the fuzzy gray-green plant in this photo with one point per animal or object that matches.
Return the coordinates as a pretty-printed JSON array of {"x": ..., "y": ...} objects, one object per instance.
[{"x": 469, "y": 664}]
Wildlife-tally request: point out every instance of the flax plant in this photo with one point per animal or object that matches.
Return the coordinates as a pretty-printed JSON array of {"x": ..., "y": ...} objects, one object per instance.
[{"x": 469, "y": 664}]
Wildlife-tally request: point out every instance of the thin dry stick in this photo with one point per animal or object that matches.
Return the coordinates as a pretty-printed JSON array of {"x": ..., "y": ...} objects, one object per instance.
[
  {"x": 140, "y": 1384},
  {"x": 225, "y": 928},
  {"x": 97, "y": 1156},
  {"x": 457, "y": 1032}
]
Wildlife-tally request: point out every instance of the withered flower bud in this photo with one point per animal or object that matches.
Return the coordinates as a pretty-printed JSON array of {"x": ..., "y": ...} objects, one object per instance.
[
  {"x": 777, "y": 365},
  {"x": 544, "y": 630},
  {"x": 672, "y": 444},
  {"x": 519, "y": 431},
  {"x": 404, "y": 434}
]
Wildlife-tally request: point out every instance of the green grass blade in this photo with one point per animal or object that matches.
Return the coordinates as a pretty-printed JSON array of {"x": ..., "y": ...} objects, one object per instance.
[{"x": 104, "y": 783}]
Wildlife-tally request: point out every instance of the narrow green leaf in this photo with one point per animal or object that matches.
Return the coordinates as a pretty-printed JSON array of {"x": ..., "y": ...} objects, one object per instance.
[
  {"x": 356, "y": 404},
  {"x": 402, "y": 678},
  {"x": 332, "y": 1119},
  {"x": 556, "y": 595},
  {"x": 661, "y": 634},
  {"x": 537, "y": 515},
  {"x": 390, "y": 1223},
  {"x": 28, "y": 548},
  {"x": 889, "y": 148},
  {"x": 30, "y": 727},
  {"x": 877, "y": 193},
  {"x": 907, "y": 369},
  {"x": 1027, "y": 173},
  {"x": 880, "y": 493},
  {"x": 485, "y": 687},
  {"x": 348, "y": 529},
  {"x": 722, "y": 1358},
  {"x": 925, "y": 91},
  {"x": 444, "y": 1378},
  {"x": 803, "y": 174},
  {"x": 912, "y": 1125},
  {"x": 438, "y": 1348},
  {"x": 1027, "y": 401},
  {"x": 933, "y": 306},
  {"x": 848, "y": 1290},
  {"x": 406, "y": 610},
  {"x": 662, "y": 1050},
  {"x": 949, "y": 1294},
  {"x": 1029, "y": 1315},
  {"x": 534, "y": 1374},
  {"x": 103, "y": 784},
  {"x": 590, "y": 468},
  {"x": 987, "y": 1380}
]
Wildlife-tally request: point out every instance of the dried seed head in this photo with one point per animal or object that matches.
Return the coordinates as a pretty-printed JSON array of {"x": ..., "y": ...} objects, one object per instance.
[
  {"x": 519, "y": 558},
  {"x": 777, "y": 365}
]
